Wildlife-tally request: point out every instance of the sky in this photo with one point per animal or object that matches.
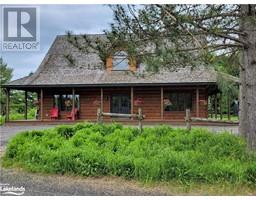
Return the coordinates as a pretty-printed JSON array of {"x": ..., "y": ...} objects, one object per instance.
[{"x": 56, "y": 20}]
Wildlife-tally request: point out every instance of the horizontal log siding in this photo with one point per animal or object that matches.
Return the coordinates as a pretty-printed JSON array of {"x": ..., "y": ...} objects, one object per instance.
[
  {"x": 152, "y": 102},
  {"x": 179, "y": 115},
  {"x": 203, "y": 108},
  {"x": 47, "y": 105},
  {"x": 90, "y": 101}
]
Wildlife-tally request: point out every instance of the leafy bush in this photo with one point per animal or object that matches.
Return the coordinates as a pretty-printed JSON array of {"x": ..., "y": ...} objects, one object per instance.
[
  {"x": 158, "y": 154},
  {"x": 20, "y": 115},
  {"x": 250, "y": 173},
  {"x": 2, "y": 119},
  {"x": 65, "y": 131}
]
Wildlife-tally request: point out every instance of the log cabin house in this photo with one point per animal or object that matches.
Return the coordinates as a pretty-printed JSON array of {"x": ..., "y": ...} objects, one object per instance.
[{"x": 118, "y": 86}]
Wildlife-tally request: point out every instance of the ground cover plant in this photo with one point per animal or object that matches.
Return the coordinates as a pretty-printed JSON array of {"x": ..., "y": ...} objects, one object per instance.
[
  {"x": 157, "y": 154},
  {"x": 2, "y": 119},
  {"x": 19, "y": 116}
]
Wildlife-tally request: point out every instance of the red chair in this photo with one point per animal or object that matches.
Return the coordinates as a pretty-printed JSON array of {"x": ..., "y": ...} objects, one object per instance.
[
  {"x": 73, "y": 114},
  {"x": 54, "y": 113}
]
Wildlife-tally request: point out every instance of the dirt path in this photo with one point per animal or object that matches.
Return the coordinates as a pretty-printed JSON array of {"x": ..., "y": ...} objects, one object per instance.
[
  {"x": 39, "y": 184},
  {"x": 7, "y": 132}
]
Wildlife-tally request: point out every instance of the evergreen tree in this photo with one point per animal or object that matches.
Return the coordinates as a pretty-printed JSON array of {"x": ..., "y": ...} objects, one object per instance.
[
  {"x": 182, "y": 35},
  {"x": 5, "y": 76}
]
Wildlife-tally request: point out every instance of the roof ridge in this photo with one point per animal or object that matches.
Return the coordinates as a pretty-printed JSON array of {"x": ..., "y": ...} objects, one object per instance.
[
  {"x": 88, "y": 69},
  {"x": 80, "y": 34}
]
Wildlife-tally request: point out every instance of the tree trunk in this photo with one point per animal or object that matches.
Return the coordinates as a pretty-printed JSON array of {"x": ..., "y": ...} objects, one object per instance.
[{"x": 247, "y": 114}]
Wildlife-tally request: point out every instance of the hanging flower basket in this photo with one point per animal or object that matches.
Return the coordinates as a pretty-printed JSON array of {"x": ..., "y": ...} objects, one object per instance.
[
  {"x": 167, "y": 102},
  {"x": 138, "y": 101},
  {"x": 68, "y": 103}
]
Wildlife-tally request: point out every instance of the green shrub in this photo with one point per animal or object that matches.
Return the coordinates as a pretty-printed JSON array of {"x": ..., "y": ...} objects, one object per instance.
[
  {"x": 158, "y": 154},
  {"x": 80, "y": 126},
  {"x": 250, "y": 173},
  {"x": 65, "y": 131},
  {"x": 15, "y": 145},
  {"x": 120, "y": 165},
  {"x": 223, "y": 170},
  {"x": 2, "y": 119}
]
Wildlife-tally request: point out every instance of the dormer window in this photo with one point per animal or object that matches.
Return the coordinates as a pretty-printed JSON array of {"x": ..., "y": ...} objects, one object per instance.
[{"x": 120, "y": 61}]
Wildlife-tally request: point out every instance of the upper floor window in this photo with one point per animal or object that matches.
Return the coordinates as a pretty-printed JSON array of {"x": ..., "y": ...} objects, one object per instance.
[{"x": 120, "y": 61}]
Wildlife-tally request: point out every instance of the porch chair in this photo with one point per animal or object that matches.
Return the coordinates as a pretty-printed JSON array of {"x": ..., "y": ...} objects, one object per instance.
[
  {"x": 73, "y": 115},
  {"x": 54, "y": 113}
]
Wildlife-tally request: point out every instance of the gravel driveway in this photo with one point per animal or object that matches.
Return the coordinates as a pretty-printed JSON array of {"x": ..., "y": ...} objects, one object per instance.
[
  {"x": 8, "y": 131},
  {"x": 50, "y": 185}
]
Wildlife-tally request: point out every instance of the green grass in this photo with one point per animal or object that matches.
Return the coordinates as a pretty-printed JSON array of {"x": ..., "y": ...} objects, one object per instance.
[
  {"x": 233, "y": 118},
  {"x": 158, "y": 154},
  {"x": 223, "y": 188},
  {"x": 18, "y": 116},
  {"x": 2, "y": 119}
]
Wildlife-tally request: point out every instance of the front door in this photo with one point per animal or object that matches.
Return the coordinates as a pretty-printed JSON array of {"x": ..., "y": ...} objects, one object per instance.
[{"x": 120, "y": 103}]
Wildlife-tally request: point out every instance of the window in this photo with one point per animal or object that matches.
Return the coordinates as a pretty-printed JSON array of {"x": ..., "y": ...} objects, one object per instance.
[
  {"x": 120, "y": 61},
  {"x": 177, "y": 101},
  {"x": 120, "y": 103},
  {"x": 64, "y": 102}
]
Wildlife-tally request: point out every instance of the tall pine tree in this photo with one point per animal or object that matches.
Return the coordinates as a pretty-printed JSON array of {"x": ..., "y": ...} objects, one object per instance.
[{"x": 181, "y": 35}]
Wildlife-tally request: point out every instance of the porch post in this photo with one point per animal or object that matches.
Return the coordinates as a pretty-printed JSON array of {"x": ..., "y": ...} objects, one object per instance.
[
  {"x": 211, "y": 106},
  {"x": 7, "y": 104},
  {"x": 73, "y": 103},
  {"x": 220, "y": 101},
  {"x": 41, "y": 104},
  {"x": 101, "y": 99},
  {"x": 26, "y": 105},
  {"x": 216, "y": 105},
  {"x": 132, "y": 96},
  {"x": 197, "y": 102},
  {"x": 228, "y": 101},
  {"x": 162, "y": 103}
]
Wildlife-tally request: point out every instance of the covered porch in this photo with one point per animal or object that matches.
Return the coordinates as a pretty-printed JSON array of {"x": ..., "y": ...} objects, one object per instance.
[{"x": 157, "y": 102}]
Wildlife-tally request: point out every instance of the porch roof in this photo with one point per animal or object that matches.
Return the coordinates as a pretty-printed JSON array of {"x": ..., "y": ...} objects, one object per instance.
[
  {"x": 117, "y": 78},
  {"x": 88, "y": 70}
]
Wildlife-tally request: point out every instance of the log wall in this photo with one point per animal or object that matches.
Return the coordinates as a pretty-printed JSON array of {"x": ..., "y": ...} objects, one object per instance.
[{"x": 90, "y": 100}]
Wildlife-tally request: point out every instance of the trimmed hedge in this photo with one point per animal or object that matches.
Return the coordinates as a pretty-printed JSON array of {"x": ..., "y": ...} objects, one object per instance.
[{"x": 158, "y": 154}]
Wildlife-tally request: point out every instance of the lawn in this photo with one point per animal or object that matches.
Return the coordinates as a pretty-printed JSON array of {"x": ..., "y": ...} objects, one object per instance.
[
  {"x": 233, "y": 118},
  {"x": 159, "y": 154},
  {"x": 18, "y": 116},
  {"x": 2, "y": 119}
]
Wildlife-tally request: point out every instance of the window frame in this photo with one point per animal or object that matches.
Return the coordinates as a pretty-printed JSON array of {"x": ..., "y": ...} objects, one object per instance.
[
  {"x": 125, "y": 57},
  {"x": 57, "y": 99},
  {"x": 177, "y": 100}
]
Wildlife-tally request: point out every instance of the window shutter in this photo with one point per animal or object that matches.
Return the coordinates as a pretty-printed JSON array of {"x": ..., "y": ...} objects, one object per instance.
[
  {"x": 132, "y": 65},
  {"x": 109, "y": 64}
]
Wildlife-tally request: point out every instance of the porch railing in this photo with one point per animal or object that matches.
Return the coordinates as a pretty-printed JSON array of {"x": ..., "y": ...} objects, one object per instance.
[
  {"x": 189, "y": 119},
  {"x": 139, "y": 116}
]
